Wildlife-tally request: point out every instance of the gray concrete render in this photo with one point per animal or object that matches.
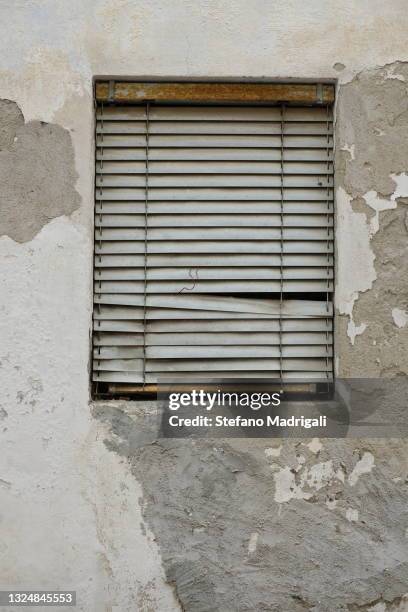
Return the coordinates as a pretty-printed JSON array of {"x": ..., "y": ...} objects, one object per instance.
[{"x": 90, "y": 500}]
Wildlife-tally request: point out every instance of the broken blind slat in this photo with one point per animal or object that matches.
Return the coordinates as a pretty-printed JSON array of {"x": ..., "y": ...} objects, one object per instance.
[{"x": 197, "y": 209}]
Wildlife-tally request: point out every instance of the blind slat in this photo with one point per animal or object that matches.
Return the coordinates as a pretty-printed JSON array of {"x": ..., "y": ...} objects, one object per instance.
[
  {"x": 292, "y": 168},
  {"x": 225, "y": 221},
  {"x": 208, "y": 180},
  {"x": 213, "y": 233},
  {"x": 209, "y": 261},
  {"x": 220, "y": 274},
  {"x": 210, "y": 154},
  {"x": 209, "y": 128},
  {"x": 213, "y": 113},
  {"x": 222, "y": 286},
  {"x": 213, "y": 207},
  {"x": 213, "y": 339},
  {"x": 127, "y": 320},
  {"x": 212, "y": 141}
]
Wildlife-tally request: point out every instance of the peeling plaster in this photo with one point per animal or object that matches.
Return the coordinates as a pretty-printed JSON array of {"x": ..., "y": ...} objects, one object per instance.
[
  {"x": 355, "y": 245},
  {"x": 290, "y": 486},
  {"x": 354, "y": 330},
  {"x": 253, "y": 542},
  {"x": 363, "y": 466},
  {"x": 232, "y": 531},
  {"x": 371, "y": 195},
  {"x": 315, "y": 446},
  {"x": 400, "y": 317},
  {"x": 273, "y": 452},
  {"x": 352, "y": 515},
  {"x": 349, "y": 149},
  {"x": 353, "y": 240}
]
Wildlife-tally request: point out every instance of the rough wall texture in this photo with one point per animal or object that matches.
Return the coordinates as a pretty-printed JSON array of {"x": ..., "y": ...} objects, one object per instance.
[
  {"x": 157, "y": 526},
  {"x": 372, "y": 180},
  {"x": 272, "y": 525}
]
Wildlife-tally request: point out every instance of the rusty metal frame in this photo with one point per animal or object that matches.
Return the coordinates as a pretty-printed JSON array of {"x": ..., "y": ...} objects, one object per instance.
[
  {"x": 123, "y": 92},
  {"x": 130, "y": 389}
]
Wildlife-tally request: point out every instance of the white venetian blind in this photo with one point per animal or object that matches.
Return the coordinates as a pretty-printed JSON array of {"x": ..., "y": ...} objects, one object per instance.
[{"x": 213, "y": 242}]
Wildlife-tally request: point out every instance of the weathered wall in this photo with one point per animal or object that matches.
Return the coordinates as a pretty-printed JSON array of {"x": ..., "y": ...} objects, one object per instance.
[
  {"x": 88, "y": 500},
  {"x": 372, "y": 223}
]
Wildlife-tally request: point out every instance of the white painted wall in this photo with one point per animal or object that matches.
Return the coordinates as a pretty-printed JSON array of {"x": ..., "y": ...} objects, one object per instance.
[{"x": 69, "y": 510}]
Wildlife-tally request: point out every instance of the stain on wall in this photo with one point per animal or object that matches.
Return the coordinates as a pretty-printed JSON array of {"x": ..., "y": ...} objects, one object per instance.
[{"x": 37, "y": 174}]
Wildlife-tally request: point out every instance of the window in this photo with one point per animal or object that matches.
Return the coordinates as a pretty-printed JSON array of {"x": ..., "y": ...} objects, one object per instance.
[{"x": 213, "y": 232}]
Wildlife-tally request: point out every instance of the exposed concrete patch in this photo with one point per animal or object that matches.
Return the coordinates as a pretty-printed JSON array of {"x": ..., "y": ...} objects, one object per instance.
[
  {"x": 227, "y": 545},
  {"x": 360, "y": 205},
  {"x": 37, "y": 174},
  {"x": 378, "y": 204},
  {"x": 11, "y": 118}
]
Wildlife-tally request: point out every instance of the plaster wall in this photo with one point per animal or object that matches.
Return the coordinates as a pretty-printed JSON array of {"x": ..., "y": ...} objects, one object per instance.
[{"x": 88, "y": 499}]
